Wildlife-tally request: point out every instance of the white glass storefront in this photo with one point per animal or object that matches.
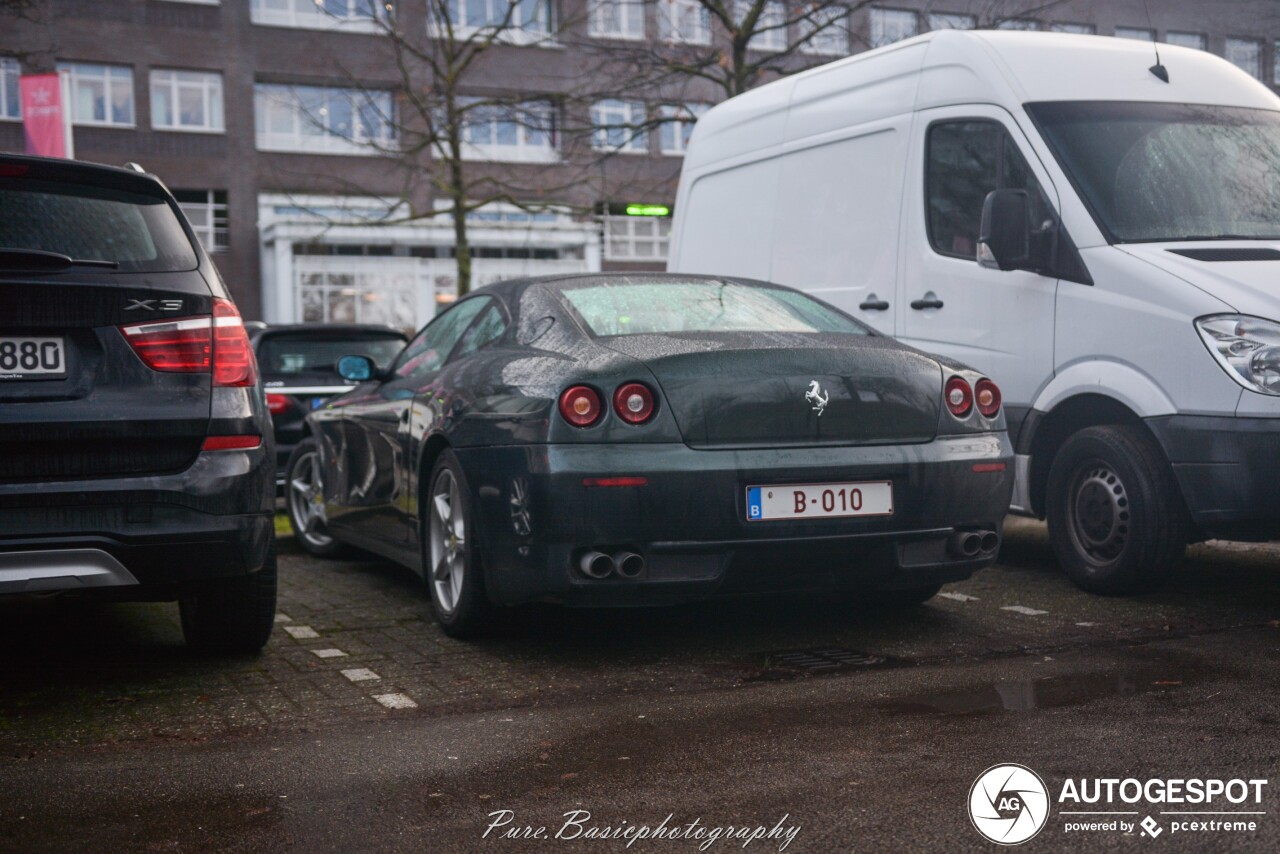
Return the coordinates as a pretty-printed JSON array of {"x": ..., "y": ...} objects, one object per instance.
[{"x": 329, "y": 260}]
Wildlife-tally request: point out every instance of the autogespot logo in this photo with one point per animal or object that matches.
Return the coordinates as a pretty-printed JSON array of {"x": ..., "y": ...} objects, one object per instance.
[{"x": 1008, "y": 804}]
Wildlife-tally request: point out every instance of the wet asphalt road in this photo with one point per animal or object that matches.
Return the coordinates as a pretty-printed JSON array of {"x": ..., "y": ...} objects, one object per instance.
[{"x": 864, "y": 730}]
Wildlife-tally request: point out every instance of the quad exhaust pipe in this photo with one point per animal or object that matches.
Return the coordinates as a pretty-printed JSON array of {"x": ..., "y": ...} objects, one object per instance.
[
  {"x": 971, "y": 544},
  {"x": 597, "y": 565}
]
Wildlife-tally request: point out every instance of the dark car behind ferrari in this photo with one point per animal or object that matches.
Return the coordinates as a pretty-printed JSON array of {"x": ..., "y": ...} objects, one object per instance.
[
  {"x": 299, "y": 371},
  {"x": 136, "y": 458},
  {"x": 615, "y": 440}
]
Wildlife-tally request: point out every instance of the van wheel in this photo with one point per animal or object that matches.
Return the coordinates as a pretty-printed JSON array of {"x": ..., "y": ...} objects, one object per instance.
[
  {"x": 1115, "y": 513},
  {"x": 232, "y": 616}
]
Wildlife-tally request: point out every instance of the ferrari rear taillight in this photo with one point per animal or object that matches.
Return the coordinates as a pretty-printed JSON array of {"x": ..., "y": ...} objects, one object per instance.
[
  {"x": 959, "y": 396},
  {"x": 633, "y": 402},
  {"x": 581, "y": 406},
  {"x": 987, "y": 396},
  {"x": 233, "y": 361},
  {"x": 192, "y": 345}
]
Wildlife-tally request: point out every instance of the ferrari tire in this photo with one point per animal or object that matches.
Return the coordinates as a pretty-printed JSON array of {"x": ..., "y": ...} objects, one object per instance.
[
  {"x": 304, "y": 497},
  {"x": 452, "y": 566}
]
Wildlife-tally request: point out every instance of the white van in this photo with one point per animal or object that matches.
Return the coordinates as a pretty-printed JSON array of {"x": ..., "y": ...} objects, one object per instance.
[{"x": 1097, "y": 232}]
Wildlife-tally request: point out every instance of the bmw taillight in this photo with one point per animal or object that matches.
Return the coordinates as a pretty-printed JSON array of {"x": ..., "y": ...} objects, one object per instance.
[
  {"x": 189, "y": 345},
  {"x": 959, "y": 396},
  {"x": 182, "y": 346},
  {"x": 986, "y": 395},
  {"x": 633, "y": 402},
  {"x": 581, "y": 406},
  {"x": 233, "y": 361}
]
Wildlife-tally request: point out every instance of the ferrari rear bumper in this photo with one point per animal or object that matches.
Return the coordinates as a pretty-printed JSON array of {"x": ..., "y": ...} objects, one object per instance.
[{"x": 540, "y": 508}]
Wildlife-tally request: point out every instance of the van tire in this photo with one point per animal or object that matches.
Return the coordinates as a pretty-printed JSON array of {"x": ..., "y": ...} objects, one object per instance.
[
  {"x": 1116, "y": 522},
  {"x": 232, "y": 616}
]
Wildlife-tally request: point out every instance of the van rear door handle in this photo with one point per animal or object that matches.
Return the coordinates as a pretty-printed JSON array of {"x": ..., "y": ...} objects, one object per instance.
[
  {"x": 929, "y": 300},
  {"x": 873, "y": 303}
]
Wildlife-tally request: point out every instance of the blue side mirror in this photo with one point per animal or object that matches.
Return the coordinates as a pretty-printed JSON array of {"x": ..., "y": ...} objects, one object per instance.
[{"x": 356, "y": 369}]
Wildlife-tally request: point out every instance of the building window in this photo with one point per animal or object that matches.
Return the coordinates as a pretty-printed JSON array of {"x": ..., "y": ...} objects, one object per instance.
[
  {"x": 677, "y": 126},
  {"x": 636, "y": 238},
  {"x": 323, "y": 120},
  {"x": 510, "y": 132},
  {"x": 511, "y": 18},
  {"x": 206, "y": 210},
  {"x": 825, "y": 31},
  {"x": 771, "y": 27},
  {"x": 616, "y": 19},
  {"x": 360, "y": 15},
  {"x": 892, "y": 25},
  {"x": 1245, "y": 54},
  {"x": 1135, "y": 33},
  {"x": 951, "y": 21},
  {"x": 357, "y": 294},
  {"x": 186, "y": 100},
  {"x": 1197, "y": 41},
  {"x": 10, "y": 103},
  {"x": 683, "y": 22},
  {"x": 1079, "y": 29},
  {"x": 1018, "y": 24},
  {"x": 619, "y": 126},
  {"x": 100, "y": 94}
]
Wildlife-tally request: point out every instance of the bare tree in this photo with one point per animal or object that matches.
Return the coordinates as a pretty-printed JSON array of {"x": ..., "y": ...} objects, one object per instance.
[{"x": 452, "y": 103}]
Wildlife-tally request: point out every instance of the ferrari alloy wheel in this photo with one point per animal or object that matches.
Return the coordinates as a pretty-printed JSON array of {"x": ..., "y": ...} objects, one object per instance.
[
  {"x": 304, "y": 497},
  {"x": 1116, "y": 520},
  {"x": 452, "y": 569},
  {"x": 448, "y": 542}
]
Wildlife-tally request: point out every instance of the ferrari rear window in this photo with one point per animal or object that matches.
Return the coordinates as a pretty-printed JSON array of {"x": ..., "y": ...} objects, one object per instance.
[{"x": 646, "y": 308}]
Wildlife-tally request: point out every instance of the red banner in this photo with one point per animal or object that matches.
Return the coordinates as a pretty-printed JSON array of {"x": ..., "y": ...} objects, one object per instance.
[{"x": 42, "y": 115}]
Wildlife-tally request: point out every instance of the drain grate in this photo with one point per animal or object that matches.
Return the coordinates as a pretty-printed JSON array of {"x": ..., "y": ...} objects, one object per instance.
[{"x": 822, "y": 659}]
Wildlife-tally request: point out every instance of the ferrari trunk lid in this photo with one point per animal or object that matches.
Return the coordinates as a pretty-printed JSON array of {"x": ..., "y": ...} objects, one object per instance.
[{"x": 792, "y": 390}]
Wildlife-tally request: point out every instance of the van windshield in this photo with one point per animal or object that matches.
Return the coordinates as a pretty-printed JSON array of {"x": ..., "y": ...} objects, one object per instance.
[{"x": 1169, "y": 172}]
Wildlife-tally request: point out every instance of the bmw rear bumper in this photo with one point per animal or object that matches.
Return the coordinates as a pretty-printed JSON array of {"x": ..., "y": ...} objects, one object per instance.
[
  {"x": 140, "y": 537},
  {"x": 536, "y": 517}
]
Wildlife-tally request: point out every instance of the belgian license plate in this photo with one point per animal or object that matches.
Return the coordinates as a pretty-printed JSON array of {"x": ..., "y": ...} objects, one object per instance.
[
  {"x": 819, "y": 500},
  {"x": 32, "y": 358}
]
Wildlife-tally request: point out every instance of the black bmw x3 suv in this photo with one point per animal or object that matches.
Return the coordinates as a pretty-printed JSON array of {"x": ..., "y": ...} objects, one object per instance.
[{"x": 136, "y": 458}]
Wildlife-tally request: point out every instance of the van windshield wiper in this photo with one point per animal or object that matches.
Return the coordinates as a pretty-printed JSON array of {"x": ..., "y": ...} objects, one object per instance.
[
  {"x": 1222, "y": 237},
  {"x": 36, "y": 260}
]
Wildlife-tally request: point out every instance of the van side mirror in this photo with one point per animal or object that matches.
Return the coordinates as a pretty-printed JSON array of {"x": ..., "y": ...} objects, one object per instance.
[
  {"x": 1004, "y": 237},
  {"x": 357, "y": 369}
]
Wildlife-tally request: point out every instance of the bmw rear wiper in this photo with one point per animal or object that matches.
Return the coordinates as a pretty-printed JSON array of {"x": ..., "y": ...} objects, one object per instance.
[{"x": 36, "y": 260}]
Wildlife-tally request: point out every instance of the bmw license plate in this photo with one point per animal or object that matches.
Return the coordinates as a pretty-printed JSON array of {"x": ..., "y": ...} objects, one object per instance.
[
  {"x": 32, "y": 358},
  {"x": 819, "y": 500}
]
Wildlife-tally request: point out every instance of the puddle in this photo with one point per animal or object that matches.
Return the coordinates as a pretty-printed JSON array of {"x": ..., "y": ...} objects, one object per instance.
[
  {"x": 784, "y": 664},
  {"x": 1026, "y": 695}
]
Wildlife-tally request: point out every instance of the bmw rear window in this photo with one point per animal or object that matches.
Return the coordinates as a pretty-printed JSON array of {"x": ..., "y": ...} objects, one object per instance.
[
  {"x": 135, "y": 231},
  {"x": 640, "y": 308}
]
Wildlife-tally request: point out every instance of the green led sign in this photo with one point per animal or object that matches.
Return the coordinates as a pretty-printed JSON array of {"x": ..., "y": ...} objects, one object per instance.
[{"x": 648, "y": 210}]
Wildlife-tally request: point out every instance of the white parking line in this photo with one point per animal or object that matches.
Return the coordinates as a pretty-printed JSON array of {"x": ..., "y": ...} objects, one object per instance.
[
  {"x": 301, "y": 632},
  {"x": 327, "y": 653},
  {"x": 1087, "y": 625},
  {"x": 395, "y": 701},
  {"x": 360, "y": 674},
  {"x": 1023, "y": 609},
  {"x": 958, "y": 597},
  {"x": 282, "y": 617}
]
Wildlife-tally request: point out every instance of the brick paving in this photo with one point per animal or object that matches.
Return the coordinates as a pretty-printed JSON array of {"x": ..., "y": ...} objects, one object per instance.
[{"x": 88, "y": 674}]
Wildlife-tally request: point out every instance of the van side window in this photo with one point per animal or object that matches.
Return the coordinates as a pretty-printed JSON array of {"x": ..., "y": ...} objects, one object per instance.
[{"x": 965, "y": 160}]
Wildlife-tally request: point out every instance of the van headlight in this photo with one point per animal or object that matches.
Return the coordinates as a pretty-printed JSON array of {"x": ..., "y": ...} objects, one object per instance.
[{"x": 1248, "y": 348}]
